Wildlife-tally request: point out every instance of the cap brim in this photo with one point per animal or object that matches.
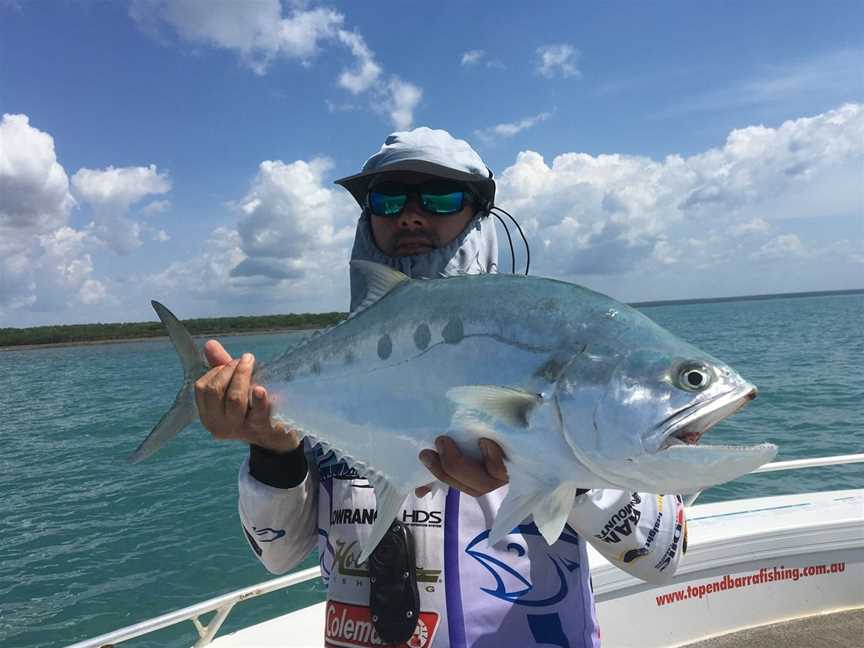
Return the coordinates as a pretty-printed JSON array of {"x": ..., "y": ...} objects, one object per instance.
[{"x": 358, "y": 184}]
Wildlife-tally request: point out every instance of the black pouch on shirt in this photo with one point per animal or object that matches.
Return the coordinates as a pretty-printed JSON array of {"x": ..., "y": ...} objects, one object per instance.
[{"x": 394, "y": 600}]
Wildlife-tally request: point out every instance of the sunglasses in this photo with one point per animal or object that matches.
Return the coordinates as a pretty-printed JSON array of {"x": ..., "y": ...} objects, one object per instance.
[{"x": 436, "y": 198}]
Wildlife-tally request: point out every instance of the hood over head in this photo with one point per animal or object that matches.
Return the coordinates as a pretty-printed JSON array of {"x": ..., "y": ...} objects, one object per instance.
[
  {"x": 437, "y": 153},
  {"x": 474, "y": 251}
]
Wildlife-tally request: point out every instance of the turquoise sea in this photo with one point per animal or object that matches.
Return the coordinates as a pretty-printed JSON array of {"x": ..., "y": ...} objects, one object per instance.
[{"x": 89, "y": 543}]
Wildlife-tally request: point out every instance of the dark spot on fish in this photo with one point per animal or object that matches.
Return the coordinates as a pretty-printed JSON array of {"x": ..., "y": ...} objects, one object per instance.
[
  {"x": 422, "y": 336},
  {"x": 550, "y": 370},
  {"x": 349, "y": 357},
  {"x": 316, "y": 367},
  {"x": 385, "y": 347},
  {"x": 453, "y": 331}
]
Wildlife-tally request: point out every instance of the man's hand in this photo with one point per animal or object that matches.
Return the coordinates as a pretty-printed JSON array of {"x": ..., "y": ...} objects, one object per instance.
[
  {"x": 462, "y": 472},
  {"x": 230, "y": 407}
]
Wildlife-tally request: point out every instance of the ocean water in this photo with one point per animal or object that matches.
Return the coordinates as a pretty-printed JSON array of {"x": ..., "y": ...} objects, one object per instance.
[{"x": 89, "y": 543}]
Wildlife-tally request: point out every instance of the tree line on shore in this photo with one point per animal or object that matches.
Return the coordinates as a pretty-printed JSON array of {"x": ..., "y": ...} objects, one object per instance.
[{"x": 72, "y": 333}]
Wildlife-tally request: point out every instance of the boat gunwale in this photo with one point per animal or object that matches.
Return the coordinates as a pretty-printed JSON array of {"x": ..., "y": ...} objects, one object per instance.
[{"x": 224, "y": 603}]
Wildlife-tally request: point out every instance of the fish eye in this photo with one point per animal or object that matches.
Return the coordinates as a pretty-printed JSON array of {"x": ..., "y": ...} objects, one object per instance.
[{"x": 694, "y": 377}]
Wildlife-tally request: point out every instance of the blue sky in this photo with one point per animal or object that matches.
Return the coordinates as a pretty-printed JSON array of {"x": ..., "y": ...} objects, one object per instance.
[{"x": 651, "y": 151}]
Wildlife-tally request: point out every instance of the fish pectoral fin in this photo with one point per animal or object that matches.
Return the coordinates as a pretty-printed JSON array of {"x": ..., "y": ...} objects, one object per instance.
[
  {"x": 380, "y": 280},
  {"x": 508, "y": 404},
  {"x": 527, "y": 496},
  {"x": 389, "y": 502}
]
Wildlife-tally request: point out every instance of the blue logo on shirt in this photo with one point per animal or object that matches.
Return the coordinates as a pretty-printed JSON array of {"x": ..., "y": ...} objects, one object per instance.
[
  {"x": 501, "y": 570},
  {"x": 268, "y": 534}
]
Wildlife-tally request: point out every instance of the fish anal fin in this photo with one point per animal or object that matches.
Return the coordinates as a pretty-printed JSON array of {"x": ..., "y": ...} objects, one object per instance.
[
  {"x": 552, "y": 511},
  {"x": 549, "y": 508},
  {"x": 508, "y": 404},
  {"x": 380, "y": 280}
]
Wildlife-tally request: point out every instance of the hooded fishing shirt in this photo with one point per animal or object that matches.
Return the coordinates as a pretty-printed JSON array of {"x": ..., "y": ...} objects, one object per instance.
[{"x": 521, "y": 592}]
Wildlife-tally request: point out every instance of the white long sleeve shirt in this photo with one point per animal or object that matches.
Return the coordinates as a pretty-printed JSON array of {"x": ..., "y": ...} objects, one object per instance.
[{"x": 521, "y": 592}]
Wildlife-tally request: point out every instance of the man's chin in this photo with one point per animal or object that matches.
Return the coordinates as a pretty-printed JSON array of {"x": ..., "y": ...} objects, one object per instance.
[{"x": 412, "y": 249}]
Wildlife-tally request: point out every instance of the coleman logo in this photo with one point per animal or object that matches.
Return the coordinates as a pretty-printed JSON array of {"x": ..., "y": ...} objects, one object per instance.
[
  {"x": 351, "y": 626},
  {"x": 622, "y": 521}
]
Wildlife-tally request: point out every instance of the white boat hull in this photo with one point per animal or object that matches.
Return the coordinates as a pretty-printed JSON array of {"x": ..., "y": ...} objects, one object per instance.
[{"x": 749, "y": 563}]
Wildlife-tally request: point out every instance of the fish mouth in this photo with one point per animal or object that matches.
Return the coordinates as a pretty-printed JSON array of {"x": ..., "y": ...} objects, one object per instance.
[{"x": 687, "y": 426}]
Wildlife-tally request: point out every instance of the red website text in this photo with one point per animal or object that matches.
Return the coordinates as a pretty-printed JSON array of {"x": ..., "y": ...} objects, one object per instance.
[{"x": 763, "y": 576}]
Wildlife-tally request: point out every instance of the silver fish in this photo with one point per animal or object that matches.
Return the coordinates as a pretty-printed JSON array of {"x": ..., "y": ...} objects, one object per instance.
[{"x": 579, "y": 390}]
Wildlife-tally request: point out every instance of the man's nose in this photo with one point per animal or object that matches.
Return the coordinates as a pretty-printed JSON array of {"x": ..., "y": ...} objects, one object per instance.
[{"x": 412, "y": 214}]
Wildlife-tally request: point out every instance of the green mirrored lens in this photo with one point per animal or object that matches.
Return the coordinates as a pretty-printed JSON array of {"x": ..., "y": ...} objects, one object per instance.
[
  {"x": 448, "y": 203},
  {"x": 386, "y": 205}
]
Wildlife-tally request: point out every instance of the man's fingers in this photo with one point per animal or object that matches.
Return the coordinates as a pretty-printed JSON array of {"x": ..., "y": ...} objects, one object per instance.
[
  {"x": 237, "y": 393},
  {"x": 216, "y": 354},
  {"x": 209, "y": 394},
  {"x": 259, "y": 408},
  {"x": 493, "y": 459},
  {"x": 465, "y": 469},
  {"x": 432, "y": 461}
]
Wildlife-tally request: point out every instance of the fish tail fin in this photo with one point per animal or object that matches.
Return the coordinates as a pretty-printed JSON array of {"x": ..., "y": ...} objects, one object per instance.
[
  {"x": 526, "y": 497},
  {"x": 183, "y": 411}
]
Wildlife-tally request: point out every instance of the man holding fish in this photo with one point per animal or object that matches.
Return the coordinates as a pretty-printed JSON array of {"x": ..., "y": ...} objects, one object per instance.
[{"x": 443, "y": 581}]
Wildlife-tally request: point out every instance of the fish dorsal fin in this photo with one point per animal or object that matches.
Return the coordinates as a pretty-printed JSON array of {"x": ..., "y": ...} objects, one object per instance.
[
  {"x": 507, "y": 404},
  {"x": 380, "y": 280}
]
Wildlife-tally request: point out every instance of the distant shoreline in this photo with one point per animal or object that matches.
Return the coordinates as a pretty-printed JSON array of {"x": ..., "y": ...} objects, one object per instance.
[
  {"x": 154, "y": 338},
  {"x": 718, "y": 300},
  {"x": 331, "y": 318}
]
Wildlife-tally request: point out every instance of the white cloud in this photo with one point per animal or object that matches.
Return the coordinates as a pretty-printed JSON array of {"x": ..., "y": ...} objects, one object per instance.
[
  {"x": 472, "y": 57},
  {"x": 34, "y": 188},
  {"x": 755, "y": 226},
  {"x": 119, "y": 188},
  {"x": 558, "y": 60},
  {"x": 155, "y": 207},
  {"x": 258, "y": 31},
  {"x": 367, "y": 70},
  {"x": 261, "y": 33},
  {"x": 400, "y": 102},
  {"x": 92, "y": 292},
  {"x": 289, "y": 249},
  {"x": 43, "y": 261},
  {"x": 614, "y": 214},
  {"x": 512, "y": 128},
  {"x": 781, "y": 247},
  {"x": 111, "y": 192}
]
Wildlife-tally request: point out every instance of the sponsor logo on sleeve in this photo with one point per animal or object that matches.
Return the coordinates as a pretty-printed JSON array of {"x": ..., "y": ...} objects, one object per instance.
[
  {"x": 635, "y": 554},
  {"x": 622, "y": 522},
  {"x": 350, "y": 626},
  {"x": 676, "y": 538},
  {"x": 267, "y": 534}
]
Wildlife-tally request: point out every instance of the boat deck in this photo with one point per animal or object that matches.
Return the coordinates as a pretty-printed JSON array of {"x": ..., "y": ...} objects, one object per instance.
[{"x": 837, "y": 630}]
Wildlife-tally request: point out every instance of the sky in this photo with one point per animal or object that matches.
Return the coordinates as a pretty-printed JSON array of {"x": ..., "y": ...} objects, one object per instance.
[{"x": 185, "y": 150}]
